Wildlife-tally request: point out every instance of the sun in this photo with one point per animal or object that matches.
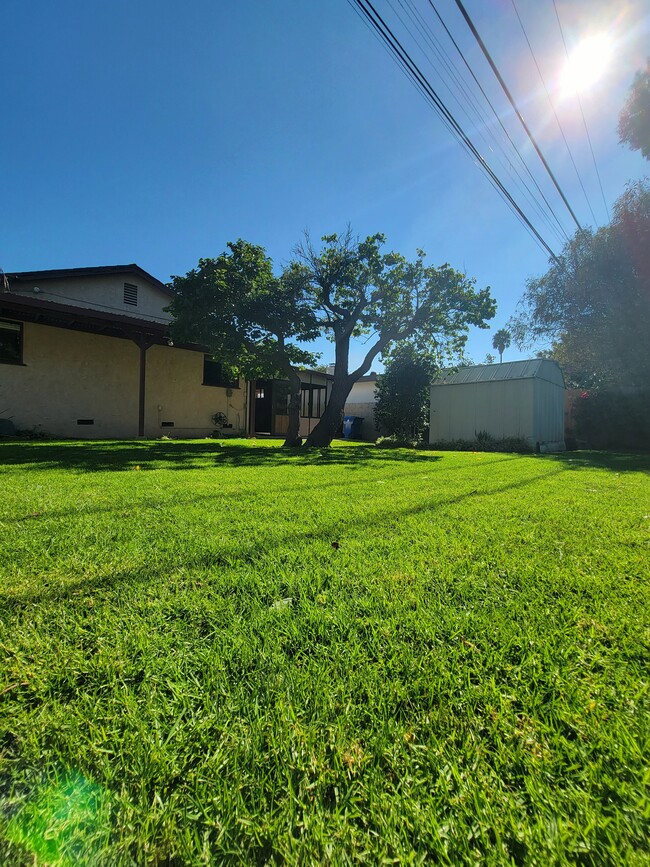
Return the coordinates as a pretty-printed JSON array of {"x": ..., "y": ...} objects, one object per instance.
[{"x": 586, "y": 64}]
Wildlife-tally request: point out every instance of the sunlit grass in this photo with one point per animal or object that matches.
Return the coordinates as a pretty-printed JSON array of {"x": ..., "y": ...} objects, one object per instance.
[{"x": 227, "y": 652}]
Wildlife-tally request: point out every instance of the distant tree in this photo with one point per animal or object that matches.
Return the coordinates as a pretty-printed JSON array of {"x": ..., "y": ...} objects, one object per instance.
[
  {"x": 247, "y": 316},
  {"x": 501, "y": 341},
  {"x": 593, "y": 304},
  {"x": 634, "y": 119},
  {"x": 489, "y": 358},
  {"x": 402, "y": 392},
  {"x": 357, "y": 290}
]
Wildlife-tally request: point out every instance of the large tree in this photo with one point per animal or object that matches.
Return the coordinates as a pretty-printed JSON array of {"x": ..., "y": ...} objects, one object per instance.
[
  {"x": 356, "y": 290},
  {"x": 593, "y": 304},
  {"x": 246, "y": 315},
  {"x": 634, "y": 119}
]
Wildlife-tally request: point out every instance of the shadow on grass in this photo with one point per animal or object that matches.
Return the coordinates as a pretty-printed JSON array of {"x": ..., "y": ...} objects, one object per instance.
[
  {"x": 236, "y": 552},
  {"x": 618, "y": 462},
  {"x": 182, "y": 455}
]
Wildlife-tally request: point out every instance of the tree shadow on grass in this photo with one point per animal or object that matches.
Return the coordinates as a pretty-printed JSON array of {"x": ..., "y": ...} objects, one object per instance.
[
  {"x": 618, "y": 462},
  {"x": 104, "y": 456},
  {"x": 236, "y": 552}
]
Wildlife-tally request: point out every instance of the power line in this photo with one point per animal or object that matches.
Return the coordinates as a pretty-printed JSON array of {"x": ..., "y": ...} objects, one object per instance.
[
  {"x": 584, "y": 120},
  {"x": 447, "y": 67},
  {"x": 504, "y": 86},
  {"x": 561, "y": 228},
  {"x": 417, "y": 76},
  {"x": 550, "y": 102}
]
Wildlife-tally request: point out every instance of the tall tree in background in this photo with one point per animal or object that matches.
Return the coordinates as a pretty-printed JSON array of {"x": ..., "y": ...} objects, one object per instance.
[
  {"x": 402, "y": 392},
  {"x": 593, "y": 304},
  {"x": 634, "y": 119},
  {"x": 501, "y": 341},
  {"x": 356, "y": 290},
  {"x": 245, "y": 315}
]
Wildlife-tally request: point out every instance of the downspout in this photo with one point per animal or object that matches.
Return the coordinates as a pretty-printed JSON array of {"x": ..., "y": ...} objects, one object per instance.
[{"x": 142, "y": 345}]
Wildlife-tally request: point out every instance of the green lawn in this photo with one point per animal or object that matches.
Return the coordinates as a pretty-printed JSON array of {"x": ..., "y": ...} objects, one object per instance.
[{"x": 231, "y": 654}]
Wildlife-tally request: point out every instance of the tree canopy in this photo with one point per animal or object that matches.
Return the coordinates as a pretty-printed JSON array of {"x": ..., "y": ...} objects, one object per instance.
[
  {"x": 634, "y": 119},
  {"x": 593, "y": 303},
  {"x": 402, "y": 392},
  {"x": 356, "y": 290},
  {"x": 245, "y": 315},
  {"x": 501, "y": 341}
]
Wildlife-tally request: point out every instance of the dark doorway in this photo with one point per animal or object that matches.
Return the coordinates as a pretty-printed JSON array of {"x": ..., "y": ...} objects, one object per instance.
[{"x": 264, "y": 406}]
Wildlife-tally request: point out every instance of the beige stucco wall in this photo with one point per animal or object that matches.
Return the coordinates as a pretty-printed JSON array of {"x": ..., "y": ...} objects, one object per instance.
[
  {"x": 68, "y": 375},
  {"x": 362, "y": 392},
  {"x": 101, "y": 292},
  {"x": 174, "y": 392}
]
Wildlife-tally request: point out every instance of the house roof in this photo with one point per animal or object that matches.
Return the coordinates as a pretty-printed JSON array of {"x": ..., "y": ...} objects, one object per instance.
[
  {"x": 532, "y": 368},
  {"x": 43, "y": 312},
  {"x": 58, "y": 273}
]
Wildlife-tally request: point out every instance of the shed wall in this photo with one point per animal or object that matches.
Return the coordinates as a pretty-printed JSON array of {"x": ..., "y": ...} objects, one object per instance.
[{"x": 503, "y": 409}]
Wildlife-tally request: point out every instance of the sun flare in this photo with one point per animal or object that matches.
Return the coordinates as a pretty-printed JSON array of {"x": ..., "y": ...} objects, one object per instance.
[{"x": 586, "y": 64}]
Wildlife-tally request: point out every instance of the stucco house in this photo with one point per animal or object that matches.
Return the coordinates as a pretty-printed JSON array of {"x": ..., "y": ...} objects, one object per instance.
[{"x": 86, "y": 352}]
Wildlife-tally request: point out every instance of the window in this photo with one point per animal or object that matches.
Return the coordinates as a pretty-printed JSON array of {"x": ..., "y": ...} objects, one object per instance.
[
  {"x": 131, "y": 294},
  {"x": 216, "y": 373},
  {"x": 11, "y": 342},
  {"x": 313, "y": 401}
]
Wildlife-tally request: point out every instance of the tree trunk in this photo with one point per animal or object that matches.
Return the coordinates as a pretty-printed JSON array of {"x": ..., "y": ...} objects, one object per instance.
[
  {"x": 331, "y": 420},
  {"x": 292, "y": 438}
]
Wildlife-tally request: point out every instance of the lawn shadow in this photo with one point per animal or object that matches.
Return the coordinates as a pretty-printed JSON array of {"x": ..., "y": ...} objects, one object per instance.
[
  {"x": 105, "y": 456},
  {"x": 618, "y": 462},
  {"x": 249, "y": 551}
]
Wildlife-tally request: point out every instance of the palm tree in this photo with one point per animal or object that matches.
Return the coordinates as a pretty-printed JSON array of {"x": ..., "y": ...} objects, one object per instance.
[{"x": 501, "y": 341}]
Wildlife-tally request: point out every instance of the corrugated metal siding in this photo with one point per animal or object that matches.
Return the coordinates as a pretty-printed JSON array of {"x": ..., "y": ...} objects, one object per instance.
[
  {"x": 539, "y": 368},
  {"x": 516, "y": 405}
]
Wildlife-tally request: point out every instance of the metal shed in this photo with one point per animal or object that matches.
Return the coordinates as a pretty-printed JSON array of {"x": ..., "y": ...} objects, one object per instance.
[{"x": 514, "y": 399}]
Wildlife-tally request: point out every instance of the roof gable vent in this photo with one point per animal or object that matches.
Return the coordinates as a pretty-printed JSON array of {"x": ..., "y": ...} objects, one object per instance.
[{"x": 131, "y": 294}]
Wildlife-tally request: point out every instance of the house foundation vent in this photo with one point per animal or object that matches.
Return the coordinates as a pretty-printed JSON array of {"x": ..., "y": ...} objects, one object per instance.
[{"x": 85, "y": 421}]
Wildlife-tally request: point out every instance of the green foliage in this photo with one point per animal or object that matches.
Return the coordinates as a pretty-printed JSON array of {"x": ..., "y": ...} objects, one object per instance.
[
  {"x": 592, "y": 304},
  {"x": 402, "y": 394},
  {"x": 244, "y": 314},
  {"x": 462, "y": 679},
  {"x": 501, "y": 341},
  {"x": 247, "y": 316},
  {"x": 357, "y": 290},
  {"x": 634, "y": 119},
  {"x": 485, "y": 442},
  {"x": 613, "y": 419}
]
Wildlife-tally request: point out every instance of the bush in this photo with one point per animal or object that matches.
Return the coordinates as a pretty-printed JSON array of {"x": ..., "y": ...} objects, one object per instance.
[
  {"x": 485, "y": 444},
  {"x": 613, "y": 420}
]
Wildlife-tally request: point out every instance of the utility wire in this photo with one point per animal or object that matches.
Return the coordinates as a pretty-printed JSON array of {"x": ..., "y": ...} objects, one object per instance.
[
  {"x": 415, "y": 74},
  {"x": 550, "y": 102},
  {"x": 584, "y": 120},
  {"x": 504, "y": 86},
  {"x": 446, "y": 67},
  {"x": 498, "y": 118}
]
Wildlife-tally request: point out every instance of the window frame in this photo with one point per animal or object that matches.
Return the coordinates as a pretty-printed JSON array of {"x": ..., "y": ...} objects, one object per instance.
[
  {"x": 222, "y": 381},
  {"x": 20, "y": 331},
  {"x": 307, "y": 400}
]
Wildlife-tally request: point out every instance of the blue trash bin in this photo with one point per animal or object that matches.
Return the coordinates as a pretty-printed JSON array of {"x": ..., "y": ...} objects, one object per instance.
[{"x": 352, "y": 427}]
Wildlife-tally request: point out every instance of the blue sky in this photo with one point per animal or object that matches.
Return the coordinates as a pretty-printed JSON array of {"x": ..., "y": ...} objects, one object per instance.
[{"x": 155, "y": 132}]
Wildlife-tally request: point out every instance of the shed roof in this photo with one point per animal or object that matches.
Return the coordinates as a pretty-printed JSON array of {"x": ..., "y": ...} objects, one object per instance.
[{"x": 532, "y": 368}]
